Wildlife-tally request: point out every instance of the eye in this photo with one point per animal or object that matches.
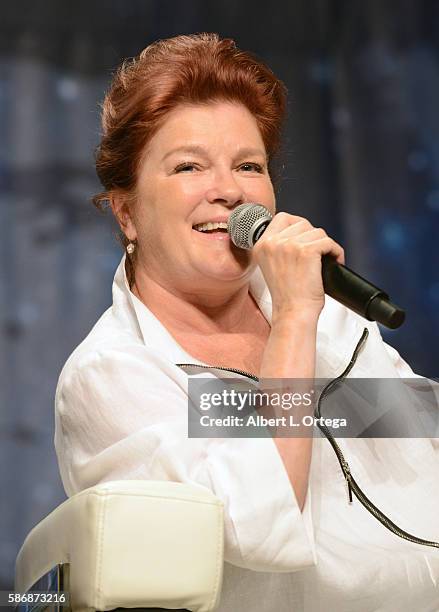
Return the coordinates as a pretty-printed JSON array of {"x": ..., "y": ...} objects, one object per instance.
[
  {"x": 185, "y": 166},
  {"x": 253, "y": 166}
]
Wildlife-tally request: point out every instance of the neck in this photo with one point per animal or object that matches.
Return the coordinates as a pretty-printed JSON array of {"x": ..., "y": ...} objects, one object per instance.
[{"x": 205, "y": 311}]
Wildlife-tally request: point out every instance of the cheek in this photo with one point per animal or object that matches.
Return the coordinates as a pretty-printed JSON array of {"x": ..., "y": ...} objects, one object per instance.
[
  {"x": 190, "y": 190},
  {"x": 265, "y": 195},
  {"x": 181, "y": 190},
  {"x": 180, "y": 199},
  {"x": 271, "y": 195}
]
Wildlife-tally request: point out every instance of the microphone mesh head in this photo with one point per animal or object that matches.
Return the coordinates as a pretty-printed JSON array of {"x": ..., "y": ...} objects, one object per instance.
[{"x": 243, "y": 220}]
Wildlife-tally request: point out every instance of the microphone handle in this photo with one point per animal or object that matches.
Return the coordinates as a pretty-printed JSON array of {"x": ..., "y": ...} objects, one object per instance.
[{"x": 358, "y": 294}]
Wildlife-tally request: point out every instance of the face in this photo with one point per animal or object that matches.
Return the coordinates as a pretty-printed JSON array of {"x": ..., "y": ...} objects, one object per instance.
[{"x": 202, "y": 163}]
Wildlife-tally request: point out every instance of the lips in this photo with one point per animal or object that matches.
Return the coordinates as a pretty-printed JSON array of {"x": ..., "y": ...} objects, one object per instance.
[
  {"x": 217, "y": 234},
  {"x": 213, "y": 229}
]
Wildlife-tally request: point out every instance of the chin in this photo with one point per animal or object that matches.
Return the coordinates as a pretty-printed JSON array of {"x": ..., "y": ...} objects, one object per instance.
[{"x": 229, "y": 272}]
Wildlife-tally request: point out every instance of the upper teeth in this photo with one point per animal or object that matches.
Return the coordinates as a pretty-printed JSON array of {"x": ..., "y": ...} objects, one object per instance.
[{"x": 202, "y": 227}]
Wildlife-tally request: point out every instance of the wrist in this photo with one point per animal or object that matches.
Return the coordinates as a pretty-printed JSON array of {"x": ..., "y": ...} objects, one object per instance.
[{"x": 295, "y": 317}]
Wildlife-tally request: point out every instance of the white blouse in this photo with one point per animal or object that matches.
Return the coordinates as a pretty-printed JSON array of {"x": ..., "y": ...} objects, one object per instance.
[{"x": 121, "y": 413}]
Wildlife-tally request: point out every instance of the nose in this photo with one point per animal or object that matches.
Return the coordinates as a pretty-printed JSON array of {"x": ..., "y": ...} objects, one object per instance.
[{"x": 225, "y": 189}]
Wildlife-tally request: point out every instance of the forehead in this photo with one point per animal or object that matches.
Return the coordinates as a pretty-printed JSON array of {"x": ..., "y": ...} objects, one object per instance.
[{"x": 217, "y": 122}]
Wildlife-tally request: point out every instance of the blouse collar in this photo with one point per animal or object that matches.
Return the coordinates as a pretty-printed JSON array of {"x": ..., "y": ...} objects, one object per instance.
[{"x": 337, "y": 328}]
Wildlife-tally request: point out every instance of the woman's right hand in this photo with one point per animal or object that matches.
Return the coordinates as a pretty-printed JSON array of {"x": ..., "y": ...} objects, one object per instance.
[{"x": 289, "y": 254}]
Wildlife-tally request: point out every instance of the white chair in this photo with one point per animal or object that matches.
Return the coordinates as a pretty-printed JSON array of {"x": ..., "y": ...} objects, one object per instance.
[{"x": 129, "y": 544}]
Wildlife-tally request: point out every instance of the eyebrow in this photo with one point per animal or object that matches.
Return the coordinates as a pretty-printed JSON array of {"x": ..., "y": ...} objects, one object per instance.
[{"x": 197, "y": 149}]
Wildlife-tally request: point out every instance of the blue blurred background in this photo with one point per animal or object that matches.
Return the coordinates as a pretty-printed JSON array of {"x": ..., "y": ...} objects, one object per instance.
[{"x": 361, "y": 159}]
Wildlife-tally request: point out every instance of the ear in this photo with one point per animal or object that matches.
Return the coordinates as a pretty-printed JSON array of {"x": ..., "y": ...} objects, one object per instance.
[{"x": 123, "y": 213}]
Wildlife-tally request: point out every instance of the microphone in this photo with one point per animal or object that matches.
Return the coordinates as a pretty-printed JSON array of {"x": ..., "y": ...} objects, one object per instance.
[{"x": 249, "y": 221}]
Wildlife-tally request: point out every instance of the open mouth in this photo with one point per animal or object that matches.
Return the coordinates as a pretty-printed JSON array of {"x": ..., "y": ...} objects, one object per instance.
[
  {"x": 216, "y": 232},
  {"x": 211, "y": 228}
]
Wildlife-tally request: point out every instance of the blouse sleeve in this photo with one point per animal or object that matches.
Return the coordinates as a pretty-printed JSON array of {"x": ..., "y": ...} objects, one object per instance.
[
  {"x": 122, "y": 414},
  {"x": 405, "y": 371},
  {"x": 402, "y": 367}
]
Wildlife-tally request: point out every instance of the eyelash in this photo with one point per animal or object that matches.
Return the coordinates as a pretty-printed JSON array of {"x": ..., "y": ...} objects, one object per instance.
[{"x": 258, "y": 167}]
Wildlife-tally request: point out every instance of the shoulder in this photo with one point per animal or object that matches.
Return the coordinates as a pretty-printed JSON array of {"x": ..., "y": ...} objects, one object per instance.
[
  {"x": 106, "y": 335},
  {"x": 115, "y": 356}
]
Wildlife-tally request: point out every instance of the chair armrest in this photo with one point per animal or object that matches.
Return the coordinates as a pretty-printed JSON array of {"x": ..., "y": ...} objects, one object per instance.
[{"x": 132, "y": 544}]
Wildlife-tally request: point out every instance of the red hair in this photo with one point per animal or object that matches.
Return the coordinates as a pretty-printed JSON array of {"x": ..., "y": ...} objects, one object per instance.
[{"x": 192, "y": 69}]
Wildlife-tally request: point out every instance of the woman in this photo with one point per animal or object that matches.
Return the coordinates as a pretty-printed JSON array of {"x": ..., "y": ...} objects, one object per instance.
[{"x": 190, "y": 130}]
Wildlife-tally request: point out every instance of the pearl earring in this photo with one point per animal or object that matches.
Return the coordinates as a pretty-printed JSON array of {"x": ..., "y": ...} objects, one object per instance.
[{"x": 131, "y": 247}]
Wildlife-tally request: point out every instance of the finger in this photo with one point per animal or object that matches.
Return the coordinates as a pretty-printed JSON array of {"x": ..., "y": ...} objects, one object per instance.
[
  {"x": 326, "y": 246},
  {"x": 316, "y": 235},
  {"x": 300, "y": 226},
  {"x": 282, "y": 221},
  {"x": 311, "y": 235}
]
